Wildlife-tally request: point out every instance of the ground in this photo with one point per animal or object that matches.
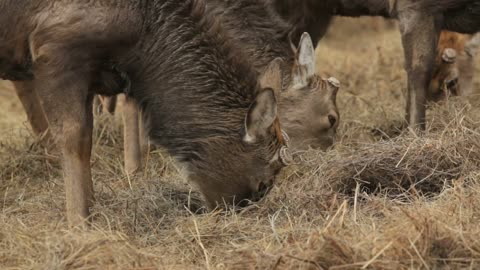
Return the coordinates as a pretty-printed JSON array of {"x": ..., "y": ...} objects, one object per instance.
[{"x": 383, "y": 198}]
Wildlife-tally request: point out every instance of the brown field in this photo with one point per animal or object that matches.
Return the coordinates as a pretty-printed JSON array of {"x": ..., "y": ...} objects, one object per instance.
[{"x": 382, "y": 199}]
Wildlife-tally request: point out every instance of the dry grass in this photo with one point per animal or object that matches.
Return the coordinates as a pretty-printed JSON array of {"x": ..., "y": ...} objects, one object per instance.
[{"x": 382, "y": 199}]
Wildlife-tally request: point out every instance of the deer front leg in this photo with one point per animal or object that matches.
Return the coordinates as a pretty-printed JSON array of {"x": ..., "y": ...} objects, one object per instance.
[
  {"x": 420, "y": 33},
  {"x": 67, "y": 104},
  {"x": 28, "y": 97},
  {"x": 131, "y": 135}
]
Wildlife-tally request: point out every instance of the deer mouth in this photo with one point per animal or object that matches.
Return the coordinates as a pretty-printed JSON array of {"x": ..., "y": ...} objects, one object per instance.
[
  {"x": 256, "y": 196},
  {"x": 263, "y": 190}
]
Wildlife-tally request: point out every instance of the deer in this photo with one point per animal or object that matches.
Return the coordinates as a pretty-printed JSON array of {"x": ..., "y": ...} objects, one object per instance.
[
  {"x": 199, "y": 99},
  {"x": 454, "y": 66}
]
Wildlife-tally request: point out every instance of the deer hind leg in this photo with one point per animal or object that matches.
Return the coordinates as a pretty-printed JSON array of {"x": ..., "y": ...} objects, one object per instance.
[
  {"x": 131, "y": 134},
  {"x": 31, "y": 103},
  {"x": 68, "y": 108},
  {"x": 108, "y": 103},
  {"x": 420, "y": 34}
]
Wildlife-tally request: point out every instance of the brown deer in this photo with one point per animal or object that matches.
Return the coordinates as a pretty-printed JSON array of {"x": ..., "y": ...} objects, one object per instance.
[
  {"x": 454, "y": 65},
  {"x": 421, "y": 22},
  {"x": 200, "y": 100}
]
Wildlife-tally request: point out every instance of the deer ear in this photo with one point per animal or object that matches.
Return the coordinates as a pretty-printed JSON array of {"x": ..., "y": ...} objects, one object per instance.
[
  {"x": 305, "y": 61},
  {"x": 272, "y": 76},
  {"x": 260, "y": 116}
]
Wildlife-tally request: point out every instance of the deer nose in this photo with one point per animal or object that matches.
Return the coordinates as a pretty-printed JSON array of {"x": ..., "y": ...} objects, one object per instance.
[{"x": 332, "y": 119}]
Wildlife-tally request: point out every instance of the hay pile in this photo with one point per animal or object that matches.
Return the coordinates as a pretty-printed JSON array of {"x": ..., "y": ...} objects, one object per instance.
[
  {"x": 409, "y": 163},
  {"x": 383, "y": 198}
]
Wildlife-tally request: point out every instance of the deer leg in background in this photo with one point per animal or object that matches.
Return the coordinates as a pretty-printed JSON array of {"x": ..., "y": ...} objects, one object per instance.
[
  {"x": 68, "y": 108},
  {"x": 420, "y": 34},
  {"x": 105, "y": 104},
  {"x": 131, "y": 135},
  {"x": 36, "y": 117},
  {"x": 108, "y": 103}
]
